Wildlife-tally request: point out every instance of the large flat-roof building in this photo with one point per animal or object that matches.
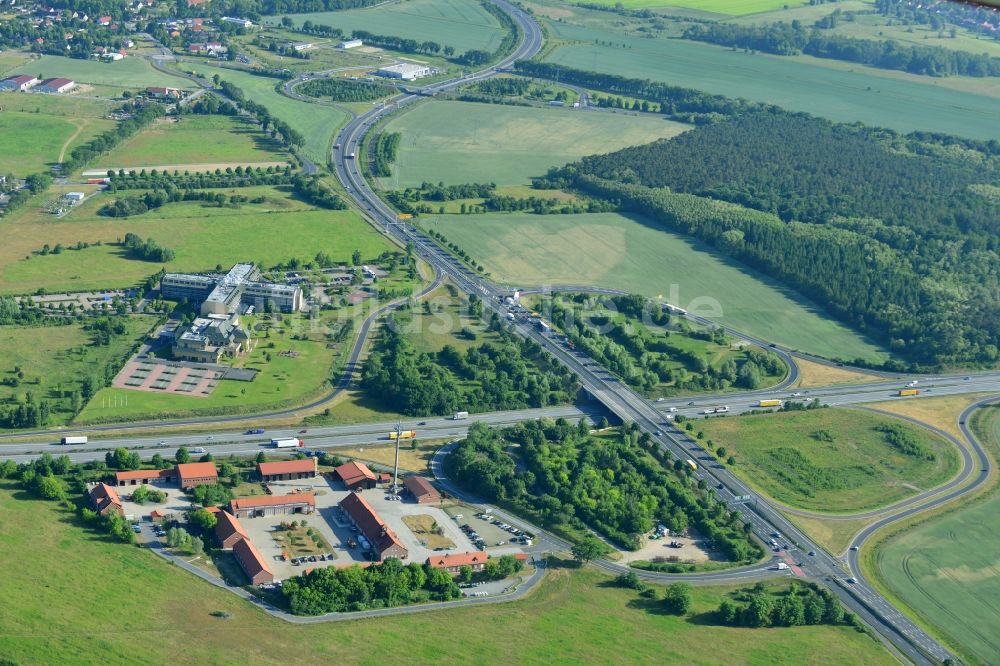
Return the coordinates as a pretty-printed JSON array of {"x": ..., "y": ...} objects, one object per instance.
[
  {"x": 224, "y": 294},
  {"x": 208, "y": 339},
  {"x": 405, "y": 71},
  {"x": 383, "y": 541}
]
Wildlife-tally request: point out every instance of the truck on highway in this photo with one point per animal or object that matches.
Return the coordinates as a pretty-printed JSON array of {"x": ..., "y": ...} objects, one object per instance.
[
  {"x": 769, "y": 403},
  {"x": 350, "y": 156},
  {"x": 908, "y": 391},
  {"x": 405, "y": 434},
  {"x": 543, "y": 327},
  {"x": 692, "y": 464},
  {"x": 287, "y": 443},
  {"x": 781, "y": 566},
  {"x": 716, "y": 410},
  {"x": 460, "y": 415},
  {"x": 73, "y": 440}
]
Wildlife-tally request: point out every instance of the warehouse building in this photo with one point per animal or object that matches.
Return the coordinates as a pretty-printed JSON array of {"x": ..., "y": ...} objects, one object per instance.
[
  {"x": 272, "y": 505},
  {"x": 252, "y": 562},
  {"x": 287, "y": 470},
  {"x": 405, "y": 71},
  {"x": 190, "y": 475},
  {"x": 142, "y": 477},
  {"x": 355, "y": 475},
  {"x": 224, "y": 294},
  {"x": 19, "y": 83},
  {"x": 55, "y": 86},
  {"x": 228, "y": 530},
  {"x": 350, "y": 44},
  {"x": 422, "y": 490},
  {"x": 383, "y": 541}
]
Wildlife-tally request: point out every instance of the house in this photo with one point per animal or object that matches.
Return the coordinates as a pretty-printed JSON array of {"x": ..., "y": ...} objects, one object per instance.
[
  {"x": 105, "y": 499},
  {"x": 55, "y": 85},
  {"x": 252, "y": 562},
  {"x": 190, "y": 475},
  {"x": 208, "y": 339},
  {"x": 350, "y": 44},
  {"x": 286, "y": 470},
  {"x": 422, "y": 490},
  {"x": 158, "y": 92},
  {"x": 383, "y": 541},
  {"x": 19, "y": 83},
  {"x": 104, "y": 20},
  {"x": 272, "y": 505},
  {"x": 215, "y": 48},
  {"x": 112, "y": 56},
  {"x": 228, "y": 530},
  {"x": 141, "y": 477},
  {"x": 355, "y": 475},
  {"x": 453, "y": 562}
]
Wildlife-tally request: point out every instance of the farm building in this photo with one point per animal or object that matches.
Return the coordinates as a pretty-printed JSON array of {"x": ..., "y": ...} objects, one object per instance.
[
  {"x": 228, "y": 530},
  {"x": 159, "y": 92},
  {"x": 355, "y": 475},
  {"x": 55, "y": 85},
  {"x": 422, "y": 490},
  {"x": 18, "y": 83},
  {"x": 190, "y": 475},
  {"x": 272, "y": 505},
  {"x": 350, "y": 44},
  {"x": 74, "y": 198},
  {"x": 140, "y": 477},
  {"x": 384, "y": 542},
  {"x": 252, "y": 562},
  {"x": 287, "y": 470},
  {"x": 405, "y": 71},
  {"x": 453, "y": 562},
  {"x": 104, "y": 498}
]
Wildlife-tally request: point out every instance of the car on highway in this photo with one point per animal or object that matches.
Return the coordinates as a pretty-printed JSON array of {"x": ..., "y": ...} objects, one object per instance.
[
  {"x": 812, "y": 553},
  {"x": 852, "y": 580},
  {"x": 854, "y": 547}
]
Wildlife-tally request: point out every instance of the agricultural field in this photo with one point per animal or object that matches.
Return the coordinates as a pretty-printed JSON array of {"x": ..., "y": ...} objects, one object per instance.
[
  {"x": 55, "y": 359},
  {"x": 463, "y": 142},
  {"x": 946, "y": 569},
  {"x": 572, "y": 615},
  {"x": 318, "y": 123},
  {"x": 724, "y": 7},
  {"x": 831, "y": 460},
  {"x": 797, "y": 84},
  {"x": 462, "y": 24},
  {"x": 636, "y": 255},
  {"x": 129, "y": 73},
  {"x": 39, "y": 130},
  {"x": 195, "y": 139},
  {"x": 268, "y": 233}
]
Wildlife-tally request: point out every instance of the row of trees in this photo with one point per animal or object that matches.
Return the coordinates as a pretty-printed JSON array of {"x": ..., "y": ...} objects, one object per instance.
[
  {"x": 386, "y": 151},
  {"x": 402, "y": 44},
  {"x": 793, "y": 39},
  {"x": 288, "y": 134},
  {"x": 221, "y": 178},
  {"x": 142, "y": 116},
  {"x": 345, "y": 90},
  {"x": 563, "y": 476},
  {"x": 802, "y": 604}
]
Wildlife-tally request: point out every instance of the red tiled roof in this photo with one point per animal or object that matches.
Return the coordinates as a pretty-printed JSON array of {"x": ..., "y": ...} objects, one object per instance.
[
  {"x": 104, "y": 495},
  {"x": 136, "y": 474},
  {"x": 250, "y": 558},
  {"x": 198, "y": 470},
  {"x": 227, "y": 526},
  {"x": 419, "y": 485},
  {"x": 305, "y": 465},
  {"x": 457, "y": 560},
  {"x": 369, "y": 522},
  {"x": 353, "y": 472},
  {"x": 272, "y": 500}
]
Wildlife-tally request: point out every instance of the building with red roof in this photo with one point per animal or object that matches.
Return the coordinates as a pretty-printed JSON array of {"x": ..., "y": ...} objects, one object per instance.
[
  {"x": 287, "y": 470},
  {"x": 272, "y": 505},
  {"x": 139, "y": 477},
  {"x": 252, "y": 562},
  {"x": 228, "y": 530},
  {"x": 453, "y": 562},
  {"x": 55, "y": 85},
  {"x": 422, "y": 490},
  {"x": 384, "y": 542},
  {"x": 18, "y": 83},
  {"x": 355, "y": 475},
  {"x": 190, "y": 475},
  {"x": 104, "y": 499}
]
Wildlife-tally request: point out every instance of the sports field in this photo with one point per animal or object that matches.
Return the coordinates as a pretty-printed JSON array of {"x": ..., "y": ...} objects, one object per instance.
[
  {"x": 830, "y": 460},
  {"x": 463, "y": 142},
  {"x": 130, "y": 72},
  {"x": 833, "y": 92},
  {"x": 462, "y": 24},
  {"x": 639, "y": 256},
  {"x": 317, "y": 122},
  {"x": 195, "y": 139},
  {"x": 948, "y": 569},
  {"x": 148, "y": 608},
  {"x": 276, "y": 230}
]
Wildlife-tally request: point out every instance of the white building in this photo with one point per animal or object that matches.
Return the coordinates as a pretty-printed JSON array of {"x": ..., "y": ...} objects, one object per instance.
[
  {"x": 75, "y": 197},
  {"x": 19, "y": 83},
  {"x": 350, "y": 44},
  {"x": 406, "y": 71},
  {"x": 246, "y": 23},
  {"x": 302, "y": 46}
]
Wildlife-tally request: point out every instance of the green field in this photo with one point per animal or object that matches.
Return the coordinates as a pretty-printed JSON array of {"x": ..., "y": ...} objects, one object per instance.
[
  {"x": 195, "y": 139},
  {"x": 31, "y": 142},
  {"x": 130, "y": 72},
  {"x": 462, "y": 142},
  {"x": 462, "y": 24},
  {"x": 270, "y": 232},
  {"x": 948, "y": 568},
  {"x": 638, "y": 256},
  {"x": 56, "y": 358},
  {"x": 728, "y": 7},
  {"x": 148, "y": 608},
  {"x": 829, "y": 460},
  {"x": 796, "y": 84},
  {"x": 317, "y": 122}
]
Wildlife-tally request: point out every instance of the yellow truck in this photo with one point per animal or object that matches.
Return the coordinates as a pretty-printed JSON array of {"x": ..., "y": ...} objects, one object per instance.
[
  {"x": 405, "y": 434},
  {"x": 909, "y": 391},
  {"x": 769, "y": 403}
]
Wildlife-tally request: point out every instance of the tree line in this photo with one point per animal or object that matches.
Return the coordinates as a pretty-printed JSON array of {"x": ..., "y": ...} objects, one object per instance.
[
  {"x": 563, "y": 476},
  {"x": 311, "y": 190},
  {"x": 345, "y": 90},
  {"x": 793, "y": 38},
  {"x": 385, "y": 151},
  {"x": 288, "y": 134},
  {"x": 221, "y": 178},
  {"x": 865, "y": 221}
]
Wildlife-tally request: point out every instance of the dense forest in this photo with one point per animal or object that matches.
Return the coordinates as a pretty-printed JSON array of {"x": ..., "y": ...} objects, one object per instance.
[
  {"x": 564, "y": 476},
  {"x": 793, "y": 39},
  {"x": 896, "y": 235},
  {"x": 513, "y": 373}
]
